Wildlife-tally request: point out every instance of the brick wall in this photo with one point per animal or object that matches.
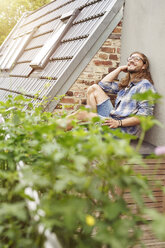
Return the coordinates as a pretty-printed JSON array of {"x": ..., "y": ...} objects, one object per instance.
[{"x": 106, "y": 60}]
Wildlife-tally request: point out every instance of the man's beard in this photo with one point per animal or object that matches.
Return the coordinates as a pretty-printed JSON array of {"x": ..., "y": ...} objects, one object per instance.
[{"x": 132, "y": 72}]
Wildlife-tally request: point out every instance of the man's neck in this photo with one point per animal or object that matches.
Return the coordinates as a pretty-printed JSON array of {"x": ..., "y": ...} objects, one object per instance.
[{"x": 133, "y": 75}]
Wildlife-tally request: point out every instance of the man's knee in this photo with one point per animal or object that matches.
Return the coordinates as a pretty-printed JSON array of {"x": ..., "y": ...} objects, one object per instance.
[{"x": 93, "y": 88}]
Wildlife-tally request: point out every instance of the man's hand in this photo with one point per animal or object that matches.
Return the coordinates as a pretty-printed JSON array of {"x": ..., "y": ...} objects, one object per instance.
[
  {"x": 114, "y": 74},
  {"x": 123, "y": 68},
  {"x": 127, "y": 122},
  {"x": 112, "y": 123}
]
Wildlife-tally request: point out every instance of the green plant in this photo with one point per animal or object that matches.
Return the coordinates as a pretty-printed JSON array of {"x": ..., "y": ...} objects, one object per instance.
[{"x": 80, "y": 177}]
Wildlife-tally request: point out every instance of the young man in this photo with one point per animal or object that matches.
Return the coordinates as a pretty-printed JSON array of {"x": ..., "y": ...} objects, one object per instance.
[{"x": 138, "y": 80}]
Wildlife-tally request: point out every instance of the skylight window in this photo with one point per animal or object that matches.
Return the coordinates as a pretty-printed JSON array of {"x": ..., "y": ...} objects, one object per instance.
[
  {"x": 14, "y": 51},
  {"x": 50, "y": 46},
  {"x": 41, "y": 57}
]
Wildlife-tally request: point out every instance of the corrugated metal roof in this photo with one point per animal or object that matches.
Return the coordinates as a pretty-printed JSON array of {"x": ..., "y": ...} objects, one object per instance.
[
  {"x": 54, "y": 69},
  {"x": 46, "y": 17},
  {"x": 19, "y": 70},
  {"x": 4, "y": 95},
  {"x": 89, "y": 27},
  {"x": 46, "y": 28},
  {"x": 68, "y": 49},
  {"x": 80, "y": 30},
  {"x": 92, "y": 11},
  {"x": 27, "y": 86},
  {"x": 46, "y": 10},
  {"x": 39, "y": 41},
  {"x": 28, "y": 55}
]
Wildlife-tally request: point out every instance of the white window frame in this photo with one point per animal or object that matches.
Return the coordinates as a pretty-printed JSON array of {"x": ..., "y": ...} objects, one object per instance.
[
  {"x": 42, "y": 58},
  {"x": 44, "y": 53},
  {"x": 14, "y": 51}
]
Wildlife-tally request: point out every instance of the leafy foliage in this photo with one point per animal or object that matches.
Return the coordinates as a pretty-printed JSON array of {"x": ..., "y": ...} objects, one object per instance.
[
  {"x": 80, "y": 175},
  {"x": 12, "y": 10}
]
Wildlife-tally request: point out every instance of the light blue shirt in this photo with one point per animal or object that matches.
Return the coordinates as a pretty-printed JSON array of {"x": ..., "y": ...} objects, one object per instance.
[{"x": 125, "y": 106}]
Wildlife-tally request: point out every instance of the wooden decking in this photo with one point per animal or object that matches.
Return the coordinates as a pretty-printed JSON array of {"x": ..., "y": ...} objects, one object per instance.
[{"x": 155, "y": 172}]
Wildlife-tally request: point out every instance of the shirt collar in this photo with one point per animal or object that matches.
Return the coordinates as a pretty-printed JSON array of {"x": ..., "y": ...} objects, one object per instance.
[
  {"x": 130, "y": 85},
  {"x": 133, "y": 84}
]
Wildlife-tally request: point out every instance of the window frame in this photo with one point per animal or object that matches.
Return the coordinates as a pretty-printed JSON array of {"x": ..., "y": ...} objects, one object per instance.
[
  {"x": 15, "y": 50},
  {"x": 42, "y": 58}
]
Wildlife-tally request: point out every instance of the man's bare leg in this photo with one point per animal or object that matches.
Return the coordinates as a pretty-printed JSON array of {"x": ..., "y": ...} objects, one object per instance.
[
  {"x": 80, "y": 115},
  {"x": 95, "y": 95}
]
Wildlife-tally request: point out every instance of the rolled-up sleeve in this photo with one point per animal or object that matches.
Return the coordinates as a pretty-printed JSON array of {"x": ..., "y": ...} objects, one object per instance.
[
  {"x": 145, "y": 108},
  {"x": 109, "y": 87}
]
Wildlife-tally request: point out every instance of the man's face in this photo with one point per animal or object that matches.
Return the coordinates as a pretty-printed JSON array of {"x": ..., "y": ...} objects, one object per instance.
[{"x": 135, "y": 63}]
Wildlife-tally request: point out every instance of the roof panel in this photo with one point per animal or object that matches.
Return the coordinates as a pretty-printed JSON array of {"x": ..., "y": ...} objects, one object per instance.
[
  {"x": 4, "y": 95},
  {"x": 45, "y": 10},
  {"x": 92, "y": 11},
  {"x": 48, "y": 27},
  {"x": 39, "y": 41},
  {"x": 21, "y": 70},
  {"x": 48, "y": 16},
  {"x": 68, "y": 49},
  {"x": 28, "y": 55},
  {"x": 54, "y": 69},
  {"x": 62, "y": 5},
  {"x": 28, "y": 86},
  {"x": 45, "y": 86},
  {"x": 50, "y": 11},
  {"x": 36, "y": 23},
  {"x": 81, "y": 29}
]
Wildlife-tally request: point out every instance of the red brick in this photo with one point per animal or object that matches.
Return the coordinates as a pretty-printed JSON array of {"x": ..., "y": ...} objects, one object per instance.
[
  {"x": 103, "y": 56},
  {"x": 113, "y": 57},
  {"x": 90, "y": 75},
  {"x": 68, "y": 100},
  {"x": 118, "y": 50},
  {"x": 82, "y": 82},
  {"x": 69, "y": 93},
  {"x": 108, "y": 49},
  {"x": 115, "y": 36},
  {"x": 88, "y": 83},
  {"x": 104, "y": 63},
  {"x": 117, "y": 30},
  {"x": 108, "y": 43},
  {"x": 120, "y": 24}
]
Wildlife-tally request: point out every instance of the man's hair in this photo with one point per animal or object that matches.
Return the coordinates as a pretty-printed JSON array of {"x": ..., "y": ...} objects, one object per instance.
[{"x": 144, "y": 74}]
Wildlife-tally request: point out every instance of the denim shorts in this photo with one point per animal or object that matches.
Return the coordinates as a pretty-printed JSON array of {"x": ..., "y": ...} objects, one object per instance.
[{"x": 104, "y": 108}]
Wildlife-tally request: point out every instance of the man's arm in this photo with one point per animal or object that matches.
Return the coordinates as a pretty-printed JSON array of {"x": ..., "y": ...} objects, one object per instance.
[
  {"x": 130, "y": 121},
  {"x": 114, "y": 74}
]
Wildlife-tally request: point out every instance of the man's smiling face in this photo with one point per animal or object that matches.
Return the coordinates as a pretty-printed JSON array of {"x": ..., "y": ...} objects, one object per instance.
[{"x": 135, "y": 63}]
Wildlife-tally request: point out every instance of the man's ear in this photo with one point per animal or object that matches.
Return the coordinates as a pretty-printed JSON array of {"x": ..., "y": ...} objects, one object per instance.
[{"x": 144, "y": 66}]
